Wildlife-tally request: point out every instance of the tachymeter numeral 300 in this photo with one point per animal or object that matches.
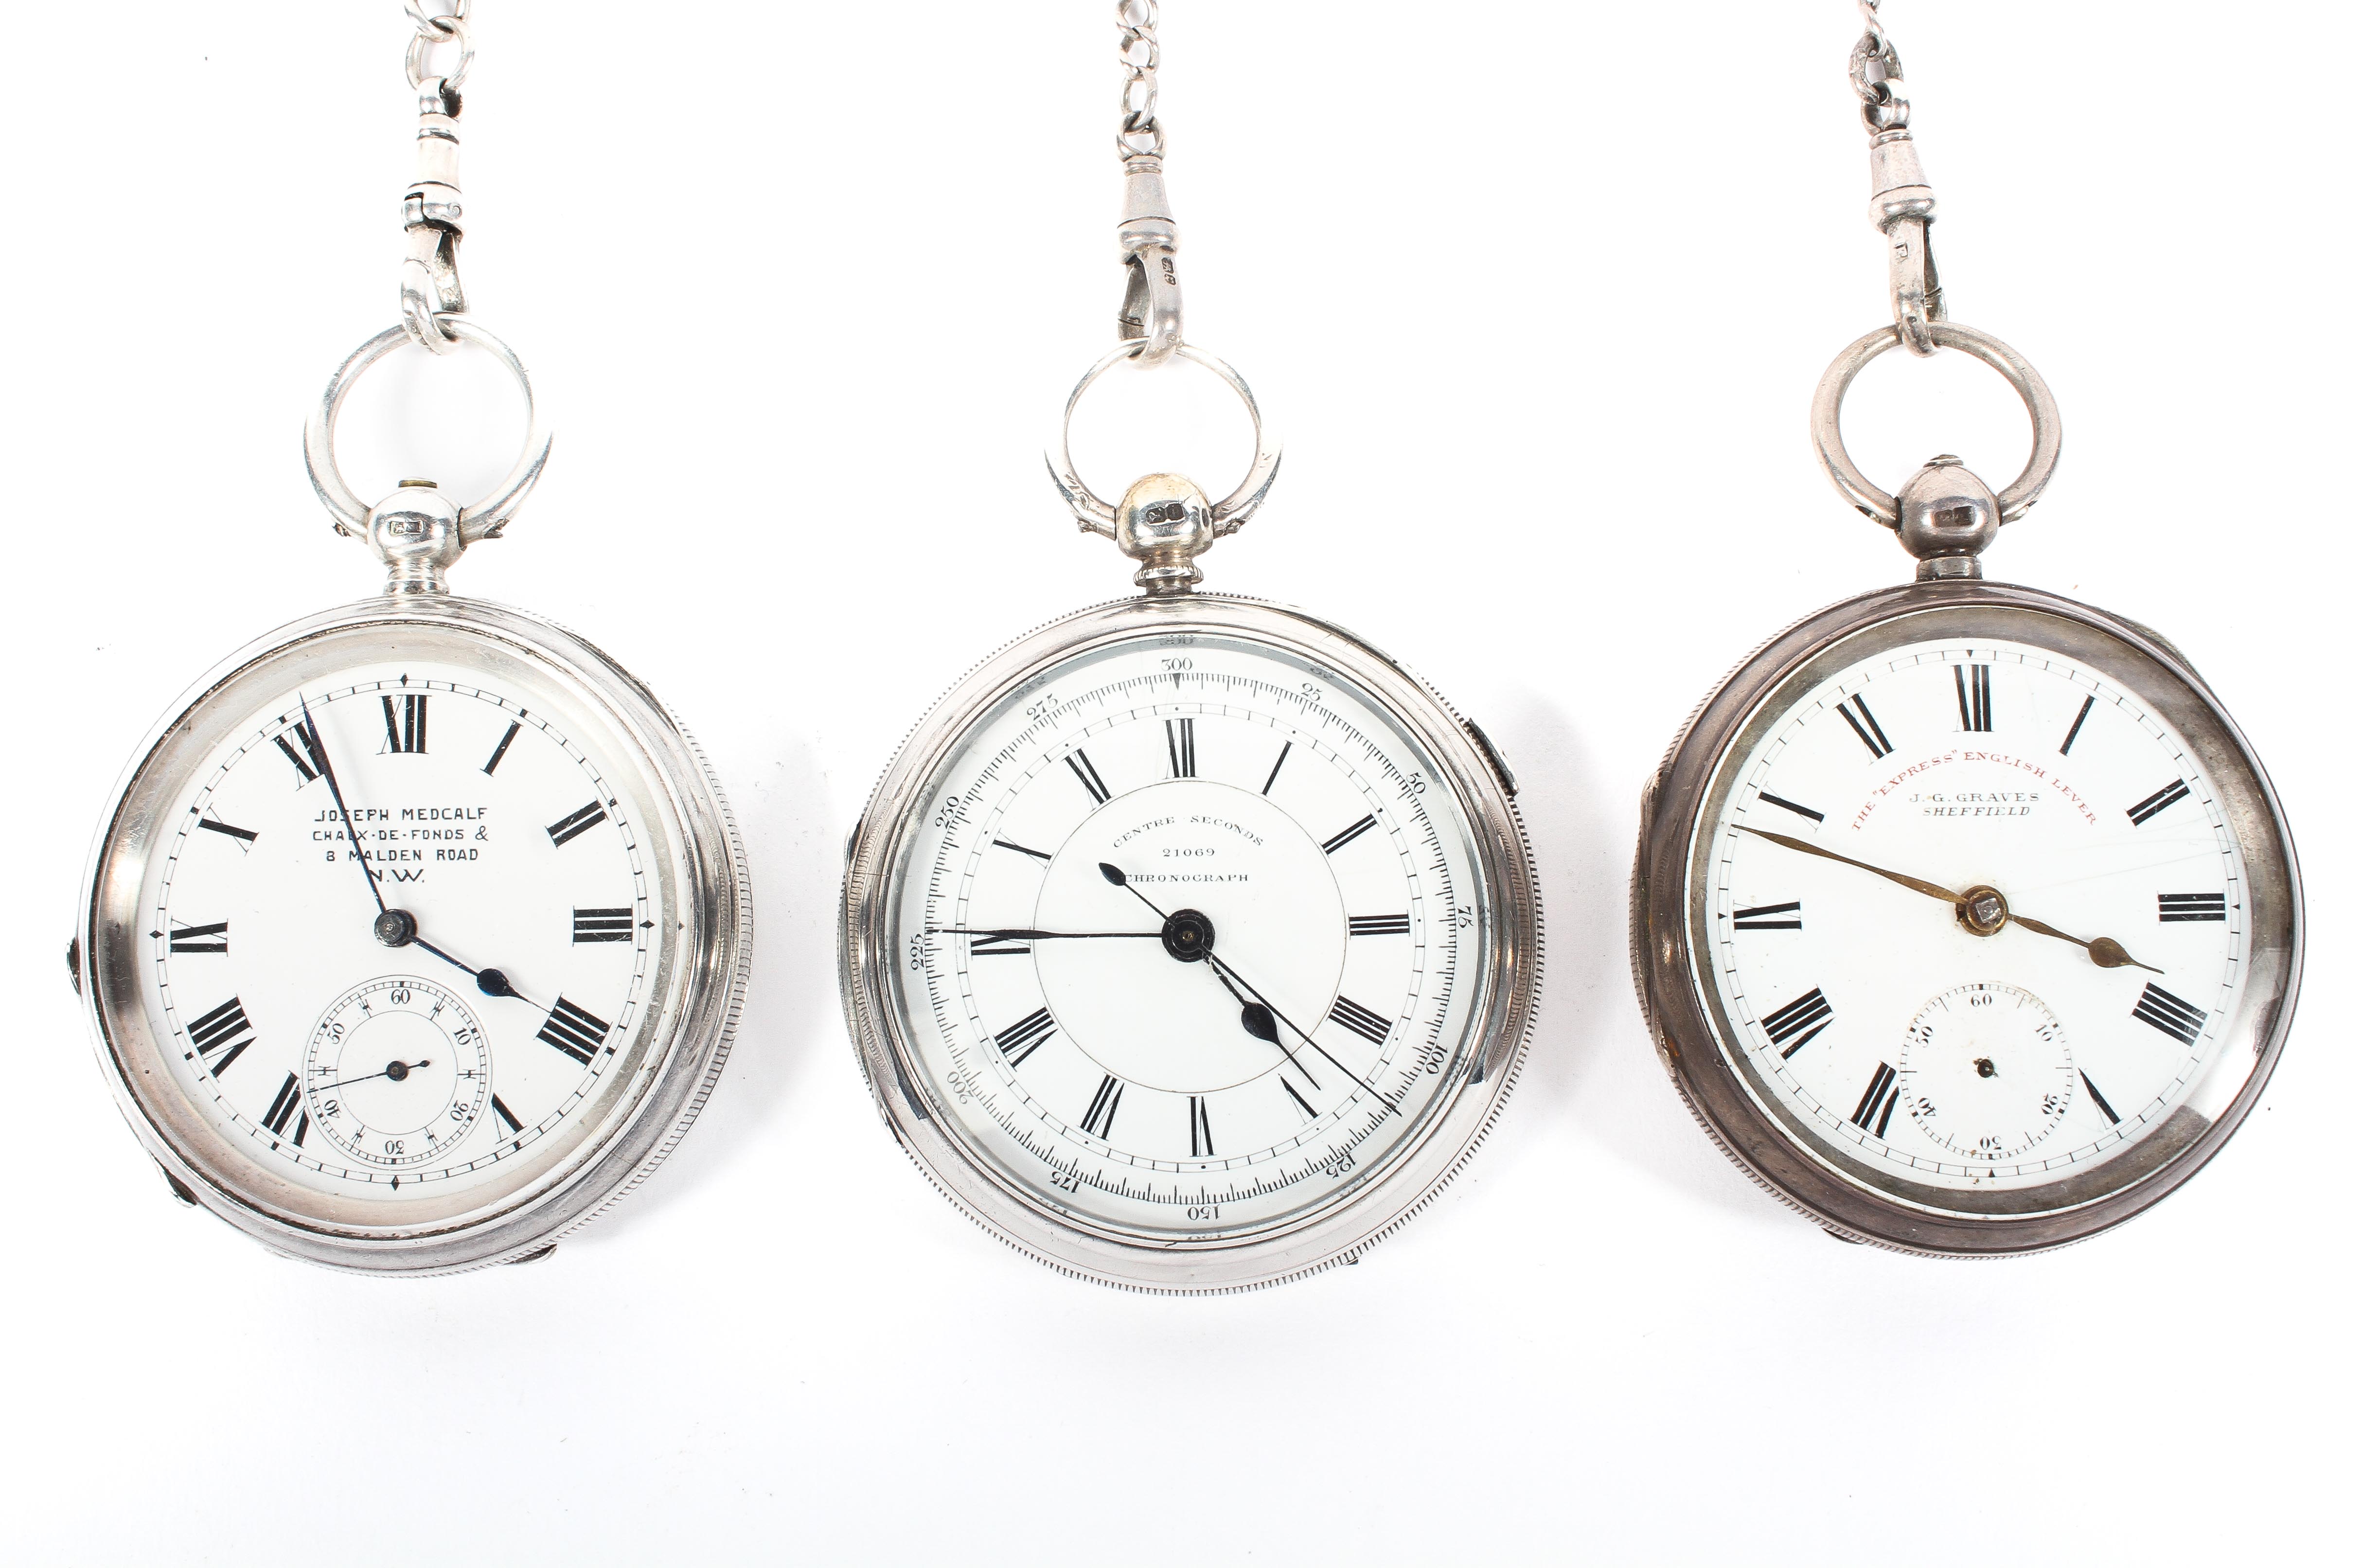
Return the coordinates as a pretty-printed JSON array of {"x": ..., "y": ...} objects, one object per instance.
[
  {"x": 1986, "y": 911},
  {"x": 1196, "y": 943}
]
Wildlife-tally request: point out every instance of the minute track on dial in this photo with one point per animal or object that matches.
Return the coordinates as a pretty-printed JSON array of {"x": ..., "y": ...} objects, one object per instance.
[
  {"x": 1236, "y": 1134},
  {"x": 358, "y": 821},
  {"x": 2055, "y": 1134}
]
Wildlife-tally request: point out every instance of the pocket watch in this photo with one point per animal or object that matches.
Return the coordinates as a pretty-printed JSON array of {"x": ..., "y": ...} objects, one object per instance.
[
  {"x": 1189, "y": 944},
  {"x": 416, "y": 933},
  {"x": 1964, "y": 917}
]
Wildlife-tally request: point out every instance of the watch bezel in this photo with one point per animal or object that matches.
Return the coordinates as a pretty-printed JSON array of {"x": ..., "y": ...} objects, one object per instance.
[
  {"x": 697, "y": 986},
  {"x": 1851, "y": 1197},
  {"x": 1412, "y": 1174}
]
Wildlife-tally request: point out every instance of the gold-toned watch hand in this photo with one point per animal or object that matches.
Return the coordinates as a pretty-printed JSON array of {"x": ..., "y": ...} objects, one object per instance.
[
  {"x": 1913, "y": 882},
  {"x": 2106, "y": 951}
]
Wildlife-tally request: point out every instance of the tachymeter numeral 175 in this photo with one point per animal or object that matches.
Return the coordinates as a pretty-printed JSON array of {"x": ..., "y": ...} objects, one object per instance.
[{"x": 1187, "y": 935}]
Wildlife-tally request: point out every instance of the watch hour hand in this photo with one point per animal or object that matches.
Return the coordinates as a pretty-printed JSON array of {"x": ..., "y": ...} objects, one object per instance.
[
  {"x": 2106, "y": 951},
  {"x": 1116, "y": 878},
  {"x": 491, "y": 982}
]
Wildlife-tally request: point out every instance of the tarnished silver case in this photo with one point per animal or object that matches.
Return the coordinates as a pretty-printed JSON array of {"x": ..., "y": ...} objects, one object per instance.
[
  {"x": 701, "y": 973},
  {"x": 1695, "y": 1041},
  {"x": 1341, "y": 1230}
]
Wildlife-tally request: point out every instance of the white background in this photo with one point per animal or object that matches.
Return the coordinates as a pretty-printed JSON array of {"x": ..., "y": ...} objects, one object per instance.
[{"x": 1536, "y": 295}]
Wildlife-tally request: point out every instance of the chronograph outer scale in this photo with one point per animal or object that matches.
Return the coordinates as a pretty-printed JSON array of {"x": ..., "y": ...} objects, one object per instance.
[
  {"x": 1848, "y": 1197},
  {"x": 634, "y": 1124},
  {"x": 1381, "y": 1198}
]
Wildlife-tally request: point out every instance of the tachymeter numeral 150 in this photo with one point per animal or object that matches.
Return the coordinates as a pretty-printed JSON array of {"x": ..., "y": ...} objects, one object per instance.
[
  {"x": 405, "y": 940},
  {"x": 1986, "y": 911},
  {"x": 1195, "y": 941}
]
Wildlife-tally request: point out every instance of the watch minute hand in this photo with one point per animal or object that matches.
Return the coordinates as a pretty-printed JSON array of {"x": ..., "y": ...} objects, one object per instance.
[
  {"x": 1258, "y": 1020},
  {"x": 1932, "y": 889},
  {"x": 2106, "y": 951},
  {"x": 1225, "y": 972},
  {"x": 1020, "y": 934},
  {"x": 318, "y": 746}
]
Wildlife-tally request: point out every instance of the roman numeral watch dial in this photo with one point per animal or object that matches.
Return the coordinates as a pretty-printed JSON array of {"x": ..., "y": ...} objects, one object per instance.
[
  {"x": 1189, "y": 944},
  {"x": 1964, "y": 917},
  {"x": 415, "y": 934}
]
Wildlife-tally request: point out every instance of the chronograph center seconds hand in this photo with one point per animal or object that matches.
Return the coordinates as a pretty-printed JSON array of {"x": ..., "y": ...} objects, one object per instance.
[{"x": 1225, "y": 972}]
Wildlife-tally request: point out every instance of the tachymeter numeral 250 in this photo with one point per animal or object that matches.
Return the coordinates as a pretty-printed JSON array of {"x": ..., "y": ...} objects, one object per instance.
[{"x": 1187, "y": 934}]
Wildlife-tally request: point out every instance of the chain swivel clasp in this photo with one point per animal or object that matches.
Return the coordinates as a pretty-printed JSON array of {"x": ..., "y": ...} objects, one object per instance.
[
  {"x": 1902, "y": 204},
  {"x": 430, "y": 208},
  {"x": 1146, "y": 234},
  {"x": 1152, "y": 292}
]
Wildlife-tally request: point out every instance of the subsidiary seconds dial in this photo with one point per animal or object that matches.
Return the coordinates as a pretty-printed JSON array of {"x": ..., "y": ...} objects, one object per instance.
[{"x": 401, "y": 915}]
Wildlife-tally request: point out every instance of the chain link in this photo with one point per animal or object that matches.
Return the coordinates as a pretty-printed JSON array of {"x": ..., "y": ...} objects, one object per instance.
[
  {"x": 435, "y": 29},
  {"x": 1138, "y": 133},
  {"x": 1877, "y": 73}
]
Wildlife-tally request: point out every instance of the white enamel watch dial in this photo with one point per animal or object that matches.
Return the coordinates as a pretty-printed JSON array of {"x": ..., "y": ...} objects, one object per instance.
[
  {"x": 414, "y": 935},
  {"x": 1181, "y": 943},
  {"x": 1988, "y": 915}
]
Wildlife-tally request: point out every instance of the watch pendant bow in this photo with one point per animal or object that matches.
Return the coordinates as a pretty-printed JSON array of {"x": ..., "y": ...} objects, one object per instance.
[
  {"x": 1189, "y": 944},
  {"x": 414, "y": 935},
  {"x": 1964, "y": 917}
]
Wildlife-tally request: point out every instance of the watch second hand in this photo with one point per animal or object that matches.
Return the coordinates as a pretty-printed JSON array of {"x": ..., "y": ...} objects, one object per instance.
[
  {"x": 319, "y": 745},
  {"x": 1117, "y": 877},
  {"x": 407, "y": 1067},
  {"x": 2105, "y": 952}
]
